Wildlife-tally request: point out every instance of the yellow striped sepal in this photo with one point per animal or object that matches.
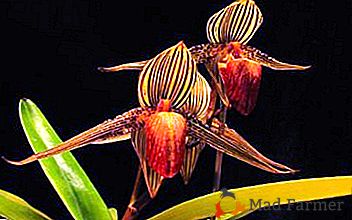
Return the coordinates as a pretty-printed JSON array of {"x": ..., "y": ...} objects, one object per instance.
[
  {"x": 170, "y": 75},
  {"x": 237, "y": 22},
  {"x": 199, "y": 99}
]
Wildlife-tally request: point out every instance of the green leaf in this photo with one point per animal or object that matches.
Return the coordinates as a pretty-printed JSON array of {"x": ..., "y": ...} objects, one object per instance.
[
  {"x": 113, "y": 213},
  {"x": 300, "y": 190},
  {"x": 63, "y": 171},
  {"x": 15, "y": 208}
]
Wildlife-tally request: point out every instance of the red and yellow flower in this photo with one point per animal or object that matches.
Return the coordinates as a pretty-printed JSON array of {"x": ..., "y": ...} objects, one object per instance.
[{"x": 172, "y": 125}]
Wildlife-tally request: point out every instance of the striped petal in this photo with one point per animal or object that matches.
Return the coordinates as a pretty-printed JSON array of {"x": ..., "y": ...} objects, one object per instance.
[
  {"x": 170, "y": 75},
  {"x": 199, "y": 100},
  {"x": 153, "y": 179},
  {"x": 160, "y": 146},
  {"x": 190, "y": 159},
  {"x": 255, "y": 55},
  {"x": 232, "y": 144},
  {"x": 241, "y": 79},
  {"x": 217, "y": 83},
  {"x": 113, "y": 130},
  {"x": 127, "y": 66},
  {"x": 237, "y": 22}
]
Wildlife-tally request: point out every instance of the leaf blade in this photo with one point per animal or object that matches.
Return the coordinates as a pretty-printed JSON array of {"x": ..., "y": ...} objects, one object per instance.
[
  {"x": 63, "y": 171},
  {"x": 300, "y": 190},
  {"x": 13, "y": 207}
]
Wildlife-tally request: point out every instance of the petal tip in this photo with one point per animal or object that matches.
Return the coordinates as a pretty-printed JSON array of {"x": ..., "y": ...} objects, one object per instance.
[
  {"x": 185, "y": 179},
  {"x": 181, "y": 44},
  {"x": 16, "y": 163},
  {"x": 306, "y": 67},
  {"x": 103, "y": 69}
]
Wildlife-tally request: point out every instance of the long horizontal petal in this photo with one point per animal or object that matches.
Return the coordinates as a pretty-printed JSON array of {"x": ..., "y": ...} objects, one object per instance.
[
  {"x": 255, "y": 55},
  {"x": 127, "y": 66},
  {"x": 232, "y": 144},
  {"x": 63, "y": 171},
  {"x": 111, "y": 130}
]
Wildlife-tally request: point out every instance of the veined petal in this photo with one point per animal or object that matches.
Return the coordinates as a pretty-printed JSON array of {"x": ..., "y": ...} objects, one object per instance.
[
  {"x": 127, "y": 66},
  {"x": 240, "y": 69},
  {"x": 158, "y": 80},
  {"x": 160, "y": 146},
  {"x": 217, "y": 84},
  {"x": 170, "y": 75},
  {"x": 241, "y": 80},
  {"x": 190, "y": 159},
  {"x": 255, "y": 55},
  {"x": 113, "y": 130},
  {"x": 237, "y": 22},
  {"x": 199, "y": 100},
  {"x": 153, "y": 179},
  {"x": 232, "y": 144}
]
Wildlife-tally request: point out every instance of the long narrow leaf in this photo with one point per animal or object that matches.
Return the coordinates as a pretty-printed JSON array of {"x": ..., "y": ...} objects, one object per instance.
[
  {"x": 15, "y": 208},
  {"x": 299, "y": 190},
  {"x": 65, "y": 174}
]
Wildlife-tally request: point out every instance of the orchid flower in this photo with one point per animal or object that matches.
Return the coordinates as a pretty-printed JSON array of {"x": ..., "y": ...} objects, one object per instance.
[
  {"x": 175, "y": 107},
  {"x": 235, "y": 67}
]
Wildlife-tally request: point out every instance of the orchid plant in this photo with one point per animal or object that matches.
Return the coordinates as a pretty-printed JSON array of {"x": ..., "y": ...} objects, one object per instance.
[
  {"x": 234, "y": 67},
  {"x": 175, "y": 113},
  {"x": 179, "y": 113}
]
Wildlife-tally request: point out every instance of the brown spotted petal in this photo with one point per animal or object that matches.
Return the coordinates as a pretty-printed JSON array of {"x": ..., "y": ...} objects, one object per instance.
[
  {"x": 160, "y": 146},
  {"x": 116, "y": 129},
  {"x": 232, "y": 144}
]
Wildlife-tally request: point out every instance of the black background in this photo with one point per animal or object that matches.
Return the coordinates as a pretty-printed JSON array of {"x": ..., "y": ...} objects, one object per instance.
[{"x": 50, "y": 51}]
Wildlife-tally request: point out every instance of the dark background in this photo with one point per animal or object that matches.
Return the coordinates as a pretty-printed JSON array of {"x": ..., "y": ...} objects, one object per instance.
[{"x": 50, "y": 51}]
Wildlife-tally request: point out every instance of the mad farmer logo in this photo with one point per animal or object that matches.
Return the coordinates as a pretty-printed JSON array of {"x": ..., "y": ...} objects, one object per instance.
[
  {"x": 275, "y": 205},
  {"x": 237, "y": 206}
]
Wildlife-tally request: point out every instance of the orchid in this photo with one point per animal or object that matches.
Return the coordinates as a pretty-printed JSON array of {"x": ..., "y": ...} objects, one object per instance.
[
  {"x": 179, "y": 114},
  {"x": 173, "y": 123},
  {"x": 234, "y": 66}
]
